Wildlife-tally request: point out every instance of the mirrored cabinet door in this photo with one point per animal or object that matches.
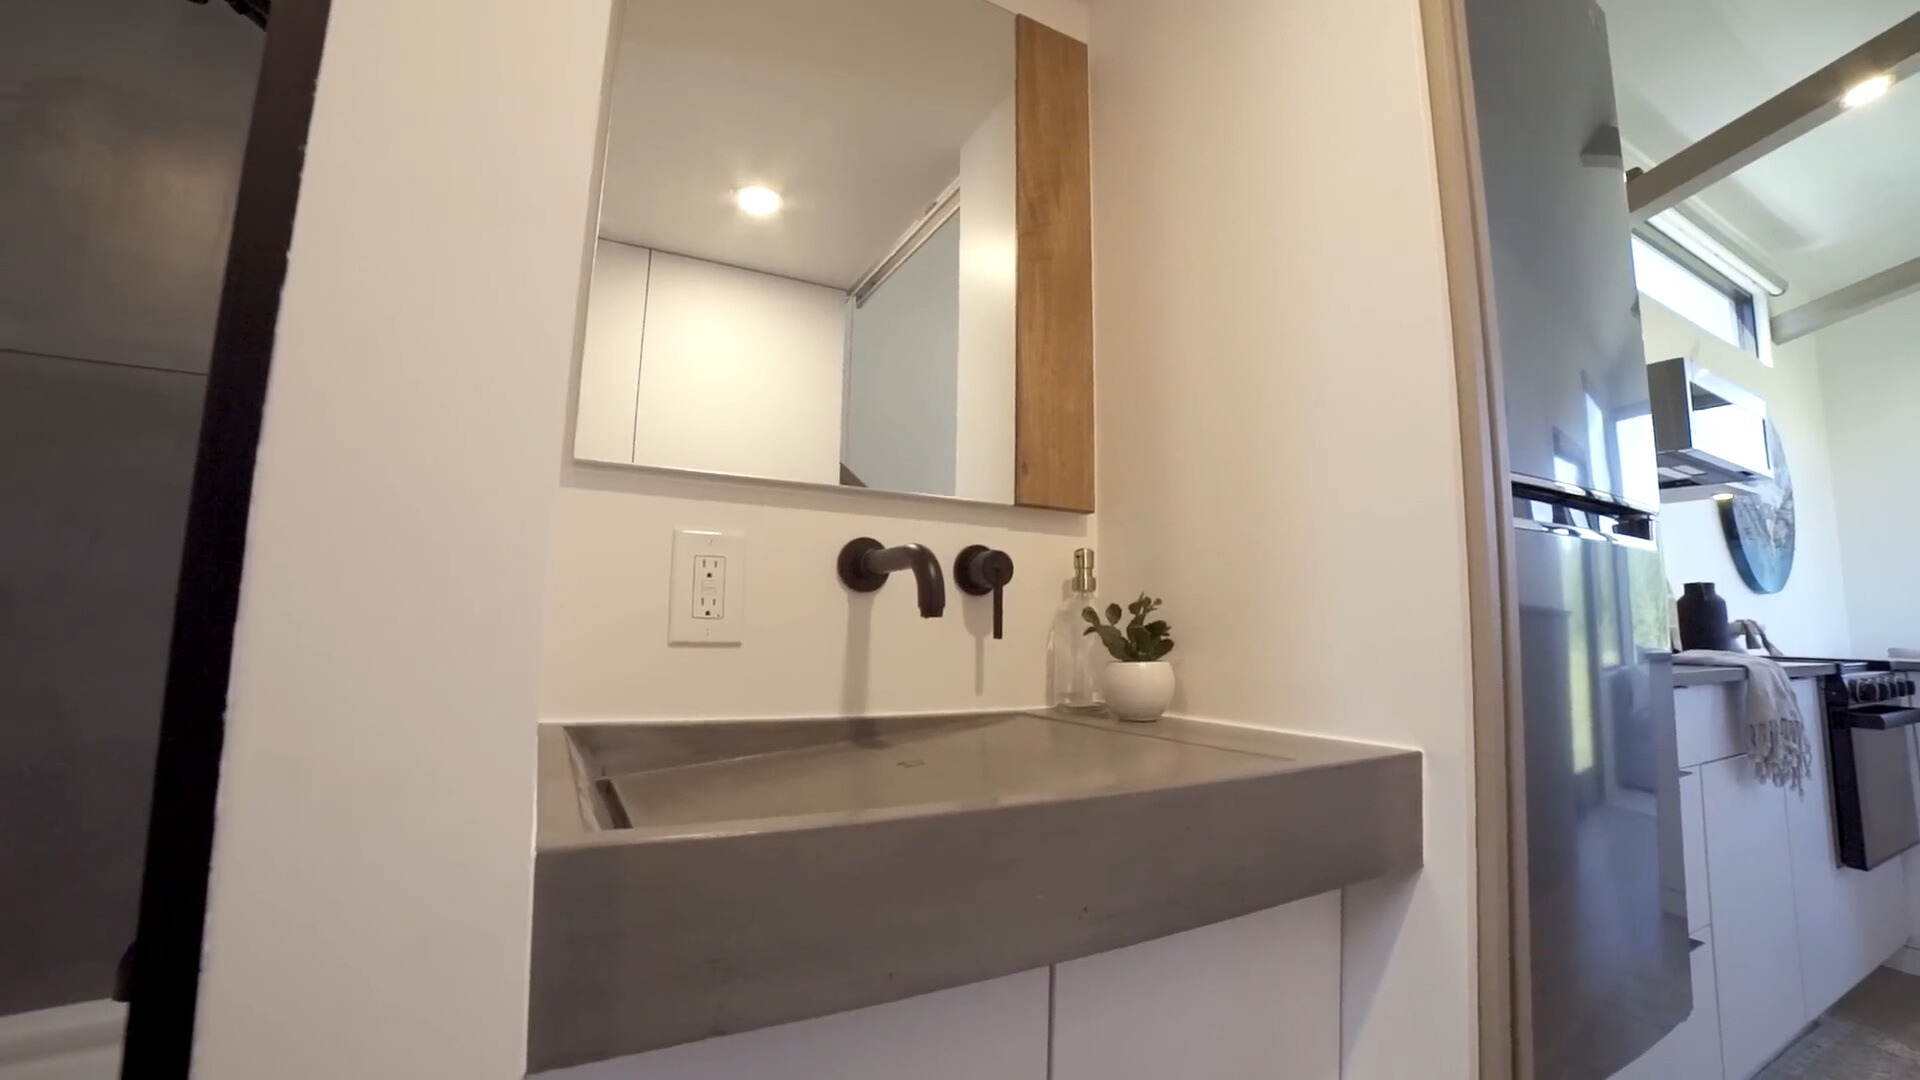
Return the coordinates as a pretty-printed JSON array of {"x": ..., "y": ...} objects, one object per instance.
[{"x": 847, "y": 243}]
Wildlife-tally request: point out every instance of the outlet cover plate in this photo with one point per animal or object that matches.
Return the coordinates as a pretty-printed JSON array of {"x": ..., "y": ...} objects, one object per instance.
[{"x": 706, "y": 600}]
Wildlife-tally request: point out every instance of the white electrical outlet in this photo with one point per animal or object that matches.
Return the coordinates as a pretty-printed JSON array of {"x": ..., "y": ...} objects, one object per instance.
[{"x": 708, "y": 589}]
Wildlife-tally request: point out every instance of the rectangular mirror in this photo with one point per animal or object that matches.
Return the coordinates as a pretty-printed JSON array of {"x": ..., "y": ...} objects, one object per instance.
[{"x": 845, "y": 242}]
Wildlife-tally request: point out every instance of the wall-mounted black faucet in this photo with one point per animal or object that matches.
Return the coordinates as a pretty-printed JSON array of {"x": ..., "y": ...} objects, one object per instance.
[
  {"x": 979, "y": 570},
  {"x": 865, "y": 563}
]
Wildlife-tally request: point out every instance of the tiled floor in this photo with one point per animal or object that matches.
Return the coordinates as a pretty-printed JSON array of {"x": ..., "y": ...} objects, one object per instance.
[
  {"x": 1889, "y": 1003},
  {"x": 1872, "y": 1034}
]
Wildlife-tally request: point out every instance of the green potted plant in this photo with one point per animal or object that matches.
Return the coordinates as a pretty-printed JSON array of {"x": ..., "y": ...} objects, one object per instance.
[{"x": 1138, "y": 685}]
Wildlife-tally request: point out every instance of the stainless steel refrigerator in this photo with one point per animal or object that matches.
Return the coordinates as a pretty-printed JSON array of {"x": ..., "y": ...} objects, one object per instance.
[{"x": 1601, "y": 945}]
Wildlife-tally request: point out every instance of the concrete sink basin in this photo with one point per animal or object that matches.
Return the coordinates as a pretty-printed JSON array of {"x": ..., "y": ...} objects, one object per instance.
[
  {"x": 699, "y": 879},
  {"x": 780, "y": 774}
]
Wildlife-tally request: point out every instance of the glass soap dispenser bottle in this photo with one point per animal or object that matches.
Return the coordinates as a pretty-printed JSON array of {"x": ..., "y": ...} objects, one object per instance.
[{"x": 1073, "y": 661}]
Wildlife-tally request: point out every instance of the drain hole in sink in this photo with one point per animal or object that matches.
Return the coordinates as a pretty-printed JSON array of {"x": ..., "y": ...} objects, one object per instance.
[{"x": 610, "y": 798}]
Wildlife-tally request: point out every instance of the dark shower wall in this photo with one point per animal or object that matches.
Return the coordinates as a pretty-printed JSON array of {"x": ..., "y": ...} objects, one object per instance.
[{"x": 123, "y": 123}]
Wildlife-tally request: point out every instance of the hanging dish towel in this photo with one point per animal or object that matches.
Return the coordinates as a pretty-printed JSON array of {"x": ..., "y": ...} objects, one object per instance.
[{"x": 1776, "y": 733}]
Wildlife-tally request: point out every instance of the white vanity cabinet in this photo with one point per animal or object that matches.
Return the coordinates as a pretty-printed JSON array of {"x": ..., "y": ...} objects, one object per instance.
[
  {"x": 996, "y": 1029},
  {"x": 1255, "y": 996}
]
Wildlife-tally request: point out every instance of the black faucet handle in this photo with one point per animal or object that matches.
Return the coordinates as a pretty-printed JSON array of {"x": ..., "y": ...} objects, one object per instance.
[{"x": 979, "y": 570}]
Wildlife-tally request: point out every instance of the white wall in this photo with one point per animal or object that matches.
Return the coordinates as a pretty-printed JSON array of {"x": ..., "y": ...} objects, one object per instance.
[
  {"x": 1809, "y": 616},
  {"x": 1870, "y": 367},
  {"x": 810, "y": 647},
  {"x": 689, "y": 364},
  {"x": 989, "y": 257},
  {"x": 903, "y": 372},
  {"x": 1279, "y": 446},
  {"x": 371, "y": 879}
]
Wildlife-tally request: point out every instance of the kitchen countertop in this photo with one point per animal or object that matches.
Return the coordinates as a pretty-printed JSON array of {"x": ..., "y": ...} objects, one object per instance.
[
  {"x": 705, "y": 878},
  {"x": 1685, "y": 674}
]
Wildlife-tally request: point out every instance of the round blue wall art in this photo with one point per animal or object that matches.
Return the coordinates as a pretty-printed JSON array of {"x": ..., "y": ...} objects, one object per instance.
[{"x": 1759, "y": 526}]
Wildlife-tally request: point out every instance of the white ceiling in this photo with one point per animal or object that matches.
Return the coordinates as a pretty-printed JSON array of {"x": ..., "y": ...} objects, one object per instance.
[
  {"x": 854, "y": 110},
  {"x": 1833, "y": 206}
]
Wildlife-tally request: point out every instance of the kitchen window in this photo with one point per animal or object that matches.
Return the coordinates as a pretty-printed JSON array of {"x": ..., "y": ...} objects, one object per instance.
[{"x": 1671, "y": 274}]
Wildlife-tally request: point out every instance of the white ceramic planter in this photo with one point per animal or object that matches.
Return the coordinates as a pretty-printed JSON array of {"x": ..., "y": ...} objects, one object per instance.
[{"x": 1138, "y": 691}]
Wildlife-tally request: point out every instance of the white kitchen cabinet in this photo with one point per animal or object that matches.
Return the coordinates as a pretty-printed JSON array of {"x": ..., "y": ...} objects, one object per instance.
[
  {"x": 1850, "y": 921},
  {"x": 1755, "y": 926},
  {"x": 1693, "y": 834},
  {"x": 1692, "y": 1050},
  {"x": 1707, "y": 722},
  {"x": 1787, "y": 930},
  {"x": 994, "y": 1029},
  {"x": 1251, "y": 999}
]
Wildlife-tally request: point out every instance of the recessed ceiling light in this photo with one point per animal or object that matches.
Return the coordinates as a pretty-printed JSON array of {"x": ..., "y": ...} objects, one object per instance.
[
  {"x": 1724, "y": 496},
  {"x": 1867, "y": 90},
  {"x": 758, "y": 201}
]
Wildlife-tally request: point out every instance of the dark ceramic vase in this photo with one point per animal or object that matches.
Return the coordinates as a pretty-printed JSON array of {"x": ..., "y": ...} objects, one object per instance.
[{"x": 1703, "y": 618}]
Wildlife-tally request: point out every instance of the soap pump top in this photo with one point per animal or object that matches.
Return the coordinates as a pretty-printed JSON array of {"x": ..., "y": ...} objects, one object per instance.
[{"x": 1083, "y": 579}]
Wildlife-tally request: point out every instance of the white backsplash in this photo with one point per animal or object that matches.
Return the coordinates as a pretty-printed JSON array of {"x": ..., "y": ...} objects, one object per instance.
[{"x": 811, "y": 648}]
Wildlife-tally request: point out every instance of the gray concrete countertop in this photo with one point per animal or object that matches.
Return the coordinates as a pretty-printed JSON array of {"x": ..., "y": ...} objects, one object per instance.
[
  {"x": 1685, "y": 674},
  {"x": 700, "y": 879}
]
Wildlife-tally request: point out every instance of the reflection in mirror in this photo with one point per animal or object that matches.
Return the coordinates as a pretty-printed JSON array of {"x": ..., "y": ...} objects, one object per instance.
[{"x": 807, "y": 254}]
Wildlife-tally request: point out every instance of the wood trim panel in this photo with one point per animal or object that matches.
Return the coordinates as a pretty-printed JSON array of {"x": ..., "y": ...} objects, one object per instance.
[
  {"x": 1502, "y": 992},
  {"x": 1053, "y": 307}
]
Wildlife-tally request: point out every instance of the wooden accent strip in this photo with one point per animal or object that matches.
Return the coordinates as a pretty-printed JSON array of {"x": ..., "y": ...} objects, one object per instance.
[{"x": 1053, "y": 335}]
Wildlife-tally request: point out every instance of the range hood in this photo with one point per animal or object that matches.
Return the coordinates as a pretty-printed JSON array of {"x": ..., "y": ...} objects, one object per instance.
[{"x": 1709, "y": 436}]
